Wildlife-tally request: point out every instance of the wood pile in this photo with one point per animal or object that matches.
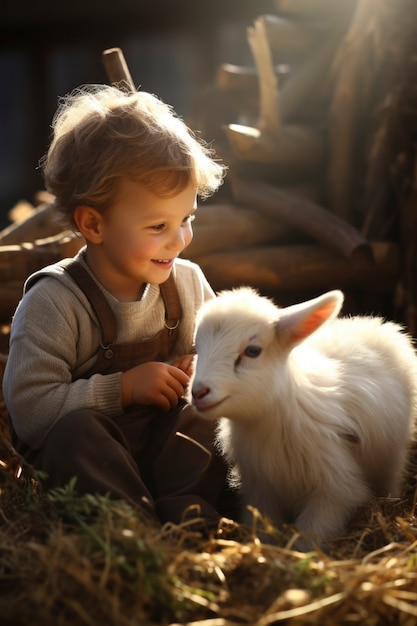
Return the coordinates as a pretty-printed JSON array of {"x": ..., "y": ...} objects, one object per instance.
[
  {"x": 319, "y": 138},
  {"x": 33, "y": 240}
]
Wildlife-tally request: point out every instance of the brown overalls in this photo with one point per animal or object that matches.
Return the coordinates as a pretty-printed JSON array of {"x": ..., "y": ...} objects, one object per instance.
[{"x": 139, "y": 455}]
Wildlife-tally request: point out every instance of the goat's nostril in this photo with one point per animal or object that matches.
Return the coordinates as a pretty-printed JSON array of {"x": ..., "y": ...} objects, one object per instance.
[{"x": 200, "y": 393}]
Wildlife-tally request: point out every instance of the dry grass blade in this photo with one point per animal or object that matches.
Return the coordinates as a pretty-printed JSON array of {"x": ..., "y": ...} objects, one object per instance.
[
  {"x": 81, "y": 561},
  {"x": 281, "y": 616}
]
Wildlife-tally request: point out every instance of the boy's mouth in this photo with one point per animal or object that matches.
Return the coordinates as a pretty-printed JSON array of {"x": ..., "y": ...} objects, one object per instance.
[{"x": 167, "y": 263}]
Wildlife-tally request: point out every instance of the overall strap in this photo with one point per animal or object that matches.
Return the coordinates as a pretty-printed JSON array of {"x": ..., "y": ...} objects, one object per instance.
[
  {"x": 96, "y": 298},
  {"x": 172, "y": 303}
]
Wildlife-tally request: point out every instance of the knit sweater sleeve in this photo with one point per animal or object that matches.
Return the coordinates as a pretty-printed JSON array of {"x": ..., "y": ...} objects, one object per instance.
[{"x": 44, "y": 350}]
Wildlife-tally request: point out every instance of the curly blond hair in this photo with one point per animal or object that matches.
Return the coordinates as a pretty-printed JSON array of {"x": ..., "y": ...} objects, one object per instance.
[{"x": 103, "y": 133}]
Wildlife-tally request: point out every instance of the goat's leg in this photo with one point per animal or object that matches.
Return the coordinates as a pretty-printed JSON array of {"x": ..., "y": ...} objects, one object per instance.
[{"x": 327, "y": 511}]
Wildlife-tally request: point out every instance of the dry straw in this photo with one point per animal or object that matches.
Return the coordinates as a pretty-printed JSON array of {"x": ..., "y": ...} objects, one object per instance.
[{"x": 70, "y": 560}]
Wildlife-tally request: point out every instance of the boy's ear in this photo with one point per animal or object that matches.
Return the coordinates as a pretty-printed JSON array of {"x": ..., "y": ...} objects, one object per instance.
[{"x": 88, "y": 222}]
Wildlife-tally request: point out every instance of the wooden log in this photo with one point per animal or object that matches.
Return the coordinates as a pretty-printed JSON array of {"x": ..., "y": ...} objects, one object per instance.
[
  {"x": 409, "y": 247},
  {"x": 270, "y": 142},
  {"x": 20, "y": 211},
  {"x": 296, "y": 146},
  {"x": 299, "y": 99},
  {"x": 43, "y": 197},
  {"x": 269, "y": 116},
  {"x": 240, "y": 78},
  {"x": 229, "y": 227},
  {"x": 117, "y": 69},
  {"x": 17, "y": 262},
  {"x": 303, "y": 267},
  {"x": 41, "y": 223},
  {"x": 345, "y": 112},
  {"x": 23, "y": 209},
  {"x": 276, "y": 268},
  {"x": 244, "y": 78},
  {"x": 302, "y": 214},
  {"x": 304, "y": 86}
]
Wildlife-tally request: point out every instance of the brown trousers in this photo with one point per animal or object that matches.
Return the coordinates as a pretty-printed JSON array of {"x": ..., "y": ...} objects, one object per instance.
[{"x": 164, "y": 462}]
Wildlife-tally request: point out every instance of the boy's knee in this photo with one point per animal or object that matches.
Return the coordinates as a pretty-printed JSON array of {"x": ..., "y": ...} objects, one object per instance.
[{"x": 78, "y": 427}]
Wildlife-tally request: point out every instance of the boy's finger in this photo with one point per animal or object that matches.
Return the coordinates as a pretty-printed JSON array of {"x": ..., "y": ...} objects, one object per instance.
[{"x": 180, "y": 375}]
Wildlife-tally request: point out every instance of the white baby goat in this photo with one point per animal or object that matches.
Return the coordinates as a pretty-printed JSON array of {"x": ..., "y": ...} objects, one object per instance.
[{"x": 316, "y": 416}]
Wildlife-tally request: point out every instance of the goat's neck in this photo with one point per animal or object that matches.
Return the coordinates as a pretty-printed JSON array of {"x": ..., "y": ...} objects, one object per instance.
[
  {"x": 276, "y": 410},
  {"x": 296, "y": 398},
  {"x": 311, "y": 378}
]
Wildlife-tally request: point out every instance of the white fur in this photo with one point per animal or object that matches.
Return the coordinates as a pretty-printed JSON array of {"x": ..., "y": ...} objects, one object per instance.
[{"x": 321, "y": 419}]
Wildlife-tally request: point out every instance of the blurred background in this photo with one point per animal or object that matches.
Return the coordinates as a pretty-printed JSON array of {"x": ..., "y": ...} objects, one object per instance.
[
  {"x": 48, "y": 48},
  {"x": 312, "y": 105}
]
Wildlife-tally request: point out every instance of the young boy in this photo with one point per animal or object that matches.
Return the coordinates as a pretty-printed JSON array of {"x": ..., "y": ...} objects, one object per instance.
[{"x": 100, "y": 346}]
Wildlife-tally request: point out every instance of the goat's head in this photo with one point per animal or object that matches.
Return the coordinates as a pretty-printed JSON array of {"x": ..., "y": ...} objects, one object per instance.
[{"x": 242, "y": 342}]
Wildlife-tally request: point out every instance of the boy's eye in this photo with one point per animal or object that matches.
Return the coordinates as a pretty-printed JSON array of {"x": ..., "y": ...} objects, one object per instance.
[{"x": 186, "y": 220}]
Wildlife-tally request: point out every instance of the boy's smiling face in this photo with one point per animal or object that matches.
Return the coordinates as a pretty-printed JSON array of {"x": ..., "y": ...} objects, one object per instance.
[{"x": 136, "y": 240}]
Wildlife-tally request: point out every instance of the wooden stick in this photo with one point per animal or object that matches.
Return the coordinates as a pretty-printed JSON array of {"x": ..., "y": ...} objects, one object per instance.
[
  {"x": 41, "y": 223},
  {"x": 243, "y": 79},
  {"x": 19, "y": 212},
  {"x": 231, "y": 227},
  {"x": 116, "y": 68},
  {"x": 302, "y": 214},
  {"x": 295, "y": 146},
  {"x": 17, "y": 262},
  {"x": 269, "y": 118},
  {"x": 303, "y": 267},
  {"x": 409, "y": 247},
  {"x": 345, "y": 111},
  {"x": 239, "y": 78}
]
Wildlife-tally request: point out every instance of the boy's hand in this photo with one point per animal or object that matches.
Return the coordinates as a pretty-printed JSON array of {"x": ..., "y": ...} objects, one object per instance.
[
  {"x": 186, "y": 363},
  {"x": 154, "y": 383}
]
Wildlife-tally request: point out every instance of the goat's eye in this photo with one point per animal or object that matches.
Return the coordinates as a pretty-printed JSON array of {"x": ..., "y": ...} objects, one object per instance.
[{"x": 252, "y": 351}]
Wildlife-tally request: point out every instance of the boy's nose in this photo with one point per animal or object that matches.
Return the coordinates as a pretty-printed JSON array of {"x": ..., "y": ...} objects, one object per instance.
[{"x": 178, "y": 241}]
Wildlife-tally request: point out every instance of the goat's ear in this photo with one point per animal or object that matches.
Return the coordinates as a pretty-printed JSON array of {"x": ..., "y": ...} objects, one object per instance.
[{"x": 299, "y": 321}]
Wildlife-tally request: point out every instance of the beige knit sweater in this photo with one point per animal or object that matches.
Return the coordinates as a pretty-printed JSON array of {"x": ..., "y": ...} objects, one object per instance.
[{"x": 55, "y": 337}]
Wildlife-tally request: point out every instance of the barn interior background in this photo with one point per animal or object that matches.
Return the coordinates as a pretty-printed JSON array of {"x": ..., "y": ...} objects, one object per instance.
[{"x": 312, "y": 104}]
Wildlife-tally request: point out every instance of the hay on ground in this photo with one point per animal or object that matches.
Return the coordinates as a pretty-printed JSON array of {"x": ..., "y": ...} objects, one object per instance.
[{"x": 85, "y": 560}]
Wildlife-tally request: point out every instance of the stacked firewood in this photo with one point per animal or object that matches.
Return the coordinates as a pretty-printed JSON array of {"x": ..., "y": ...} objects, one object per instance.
[
  {"x": 35, "y": 238},
  {"x": 313, "y": 164},
  {"x": 301, "y": 210}
]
